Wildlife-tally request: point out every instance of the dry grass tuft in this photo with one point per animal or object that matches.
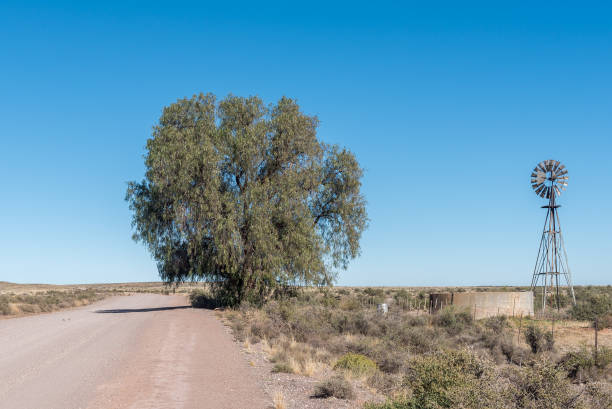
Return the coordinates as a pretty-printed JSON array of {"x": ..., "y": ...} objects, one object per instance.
[{"x": 279, "y": 401}]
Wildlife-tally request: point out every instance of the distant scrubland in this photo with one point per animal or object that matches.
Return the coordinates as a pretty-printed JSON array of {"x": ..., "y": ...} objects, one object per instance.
[{"x": 21, "y": 299}]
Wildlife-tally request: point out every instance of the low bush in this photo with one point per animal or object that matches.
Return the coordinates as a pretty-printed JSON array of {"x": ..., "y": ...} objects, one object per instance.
[
  {"x": 203, "y": 299},
  {"x": 541, "y": 385},
  {"x": 384, "y": 382},
  {"x": 336, "y": 387},
  {"x": 538, "y": 340},
  {"x": 497, "y": 324},
  {"x": 283, "y": 367},
  {"x": 419, "y": 340},
  {"x": 598, "y": 395},
  {"x": 400, "y": 403},
  {"x": 591, "y": 306},
  {"x": 4, "y": 305},
  {"x": 449, "y": 379},
  {"x": 356, "y": 364},
  {"x": 605, "y": 321},
  {"x": 453, "y": 320},
  {"x": 584, "y": 365}
]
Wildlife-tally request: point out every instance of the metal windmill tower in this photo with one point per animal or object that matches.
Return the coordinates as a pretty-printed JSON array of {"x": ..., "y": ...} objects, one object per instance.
[{"x": 549, "y": 179}]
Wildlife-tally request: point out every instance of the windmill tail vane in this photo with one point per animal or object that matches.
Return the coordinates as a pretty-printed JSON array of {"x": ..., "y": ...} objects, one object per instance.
[{"x": 549, "y": 179}]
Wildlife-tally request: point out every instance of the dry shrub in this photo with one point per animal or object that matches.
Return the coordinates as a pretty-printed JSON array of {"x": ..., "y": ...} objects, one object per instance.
[
  {"x": 605, "y": 321},
  {"x": 497, "y": 324},
  {"x": 542, "y": 385},
  {"x": 453, "y": 320},
  {"x": 284, "y": 367},
  {"x": 389, "y": 359},
  {"x": 336, "y": 387},
  {"x": 350, "y": 304},
  {"x": 514, "y": 353},
  {"x": 384, "y": 382},
  {"x": 46, "y": 301},
  {"x": 279, "y": 401},
  {"x": 4, "y": 305},
  {"x": 419, "y": 340},
  {"x": 585, "y": 366},
  {"x": 538, "y": 340},
  {"x": 598, "y": 395}
]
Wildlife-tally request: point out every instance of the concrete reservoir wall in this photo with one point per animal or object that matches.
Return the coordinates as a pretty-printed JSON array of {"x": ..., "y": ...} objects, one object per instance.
[{"x": 486, "y": 304}]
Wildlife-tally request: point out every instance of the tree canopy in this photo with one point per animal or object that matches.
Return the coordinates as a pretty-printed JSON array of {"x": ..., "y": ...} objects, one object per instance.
[{"x": 243, "y": 195}]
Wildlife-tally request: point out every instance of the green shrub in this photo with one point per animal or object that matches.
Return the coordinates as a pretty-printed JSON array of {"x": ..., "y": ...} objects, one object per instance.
[
  {"x": 538, "y": 340},
  {"x": 374, "y": 292},
  {"x": 432, "y": 378},
  {"x": 584, "y": 365},
  {"x": 453, "y": 320},
  {"x": 452, "y": 379},
  {"x": 283, "y": 367},
  {"x": 356, "y": 364},
  {"x": 592, "y": 306},
  {"x": 336, "y": 386}
]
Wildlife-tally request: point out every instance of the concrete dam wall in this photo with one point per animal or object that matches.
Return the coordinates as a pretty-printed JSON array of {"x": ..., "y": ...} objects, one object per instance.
[{"x": 486, "y": 304}]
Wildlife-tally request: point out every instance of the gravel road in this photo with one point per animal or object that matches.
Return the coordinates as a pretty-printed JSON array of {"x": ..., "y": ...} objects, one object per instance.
[{"x": 141, "y": 351}]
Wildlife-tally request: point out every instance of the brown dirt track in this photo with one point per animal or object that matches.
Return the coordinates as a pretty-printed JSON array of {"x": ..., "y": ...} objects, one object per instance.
[{"x": 142, "y": 351}]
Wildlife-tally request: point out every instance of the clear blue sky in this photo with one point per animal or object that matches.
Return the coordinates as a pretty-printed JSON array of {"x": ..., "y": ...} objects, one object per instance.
[{"x": 447, "y": 106}]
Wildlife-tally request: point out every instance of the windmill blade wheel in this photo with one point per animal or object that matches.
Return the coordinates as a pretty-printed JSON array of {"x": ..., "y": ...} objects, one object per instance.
[{"x": 549, "y": 178}]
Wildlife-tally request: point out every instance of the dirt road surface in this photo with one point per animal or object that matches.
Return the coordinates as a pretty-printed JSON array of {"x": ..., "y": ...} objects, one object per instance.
[{"x": 140, "y": 352}]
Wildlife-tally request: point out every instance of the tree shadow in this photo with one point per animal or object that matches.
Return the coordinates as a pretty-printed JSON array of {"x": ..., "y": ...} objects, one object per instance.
[{"x": 128, "y": 310}]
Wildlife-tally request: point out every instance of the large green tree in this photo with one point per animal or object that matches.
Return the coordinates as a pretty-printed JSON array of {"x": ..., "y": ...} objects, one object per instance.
[{"x": 244, "y": 196}]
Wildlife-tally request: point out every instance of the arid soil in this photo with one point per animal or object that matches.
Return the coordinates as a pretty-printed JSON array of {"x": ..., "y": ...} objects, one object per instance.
[
  {"x": 296, "y": 391},
  {"x": 140, "y": 351}
]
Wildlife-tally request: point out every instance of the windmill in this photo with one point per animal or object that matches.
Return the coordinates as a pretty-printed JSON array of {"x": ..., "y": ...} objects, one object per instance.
[{"x": 549, "y": 179}]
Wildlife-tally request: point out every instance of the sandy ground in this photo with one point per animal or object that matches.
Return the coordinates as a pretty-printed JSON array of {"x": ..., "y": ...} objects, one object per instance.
[{"x": 142, "y": 351}]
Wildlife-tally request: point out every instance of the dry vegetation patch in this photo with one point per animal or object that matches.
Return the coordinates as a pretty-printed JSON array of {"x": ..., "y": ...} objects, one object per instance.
[
  {"x": 22, "y": 299},
  {"x": 418, "y": 360}
]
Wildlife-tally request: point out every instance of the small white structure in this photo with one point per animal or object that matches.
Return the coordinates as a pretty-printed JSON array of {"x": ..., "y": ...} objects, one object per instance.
[{"x": 382, "y": 309}]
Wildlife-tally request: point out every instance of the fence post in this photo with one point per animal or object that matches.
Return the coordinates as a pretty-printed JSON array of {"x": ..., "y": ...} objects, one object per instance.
[
  {"x": 553, "y": 326},
  {"x": 518, "y": 338},
  {"x": 596, "y": 330}
]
